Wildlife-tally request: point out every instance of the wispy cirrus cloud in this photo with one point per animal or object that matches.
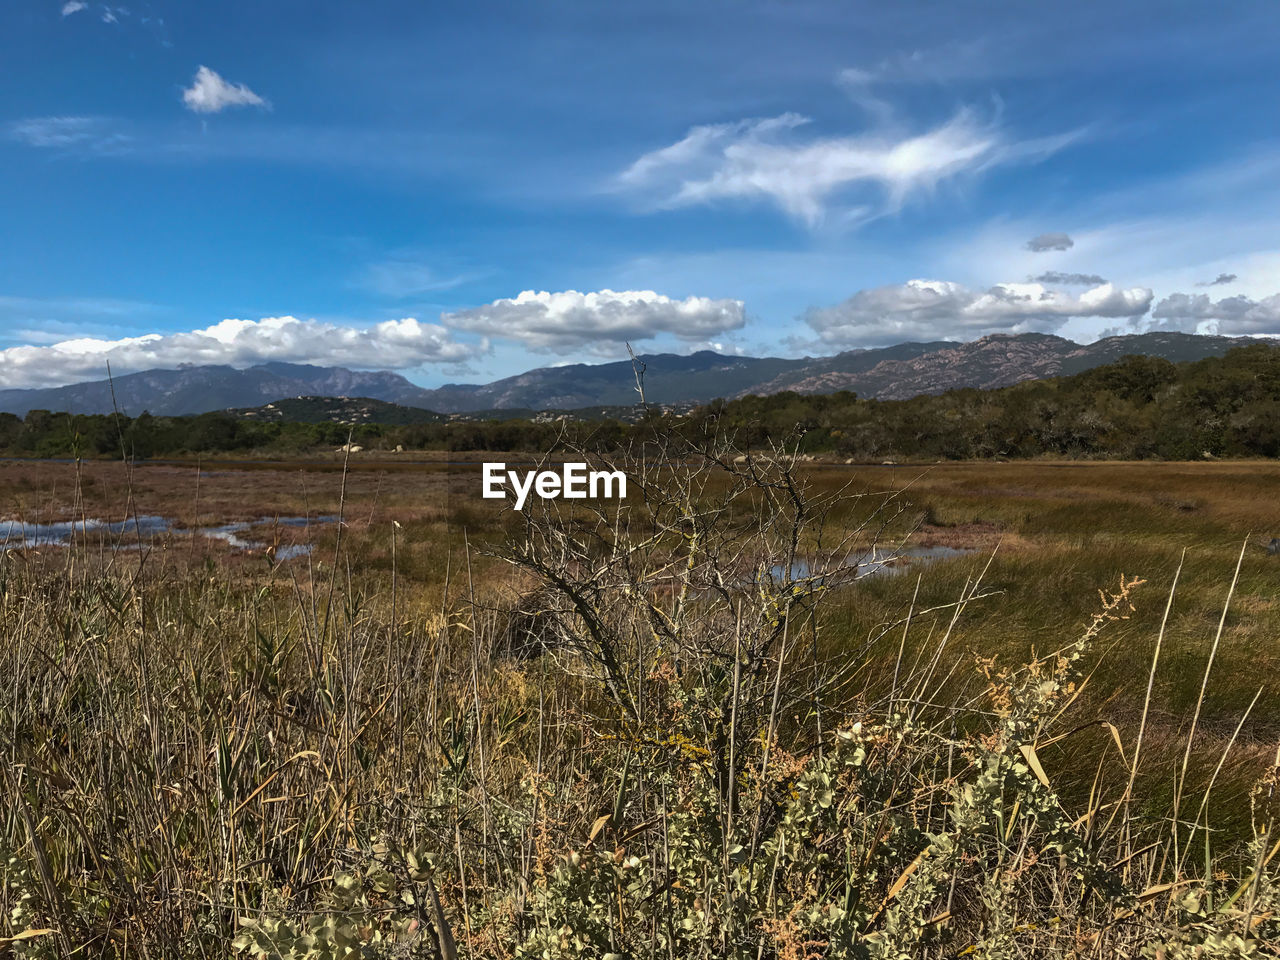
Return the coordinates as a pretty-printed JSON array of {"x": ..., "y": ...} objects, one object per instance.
[
  {"x": 943, "y": 310},
  {"x": 859, "y": 86},
  {"x": 395, "y": 344},
  {"x": 357, "y": 149},
  {"x": 808, "y": 176},
  {"x": 99, "y": 135},
  {"x": 48, "y": 320},
  {"x": 30, "y": 308},
  {"x": 401, "y": 277},
  {"x": 137, "y": 18},
  {"x": 210, "y": 93}
]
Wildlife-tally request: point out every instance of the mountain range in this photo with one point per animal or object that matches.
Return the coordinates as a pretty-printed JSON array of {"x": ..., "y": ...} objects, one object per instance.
[{"x": 890, "y": 373}]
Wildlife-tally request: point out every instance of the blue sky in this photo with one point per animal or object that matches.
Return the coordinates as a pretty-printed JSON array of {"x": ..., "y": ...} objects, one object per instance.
[{"x": 463, "y": 191}]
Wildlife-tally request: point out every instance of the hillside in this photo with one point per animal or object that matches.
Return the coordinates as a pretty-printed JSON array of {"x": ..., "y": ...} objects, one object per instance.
[
  {"x": 891, "y": 373},
  {"x": 361, "y": 410},
  {"x": 995, "y": 361},
  {"x": 1136, "y": 408},
  {"x": 349, "y": 410},
  {"x": 669, "y": 379},
  {"x": 199, "y": 389}
]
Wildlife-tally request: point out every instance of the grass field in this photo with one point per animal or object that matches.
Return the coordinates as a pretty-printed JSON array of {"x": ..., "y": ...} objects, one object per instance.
[{"x": 204, "y": 741}]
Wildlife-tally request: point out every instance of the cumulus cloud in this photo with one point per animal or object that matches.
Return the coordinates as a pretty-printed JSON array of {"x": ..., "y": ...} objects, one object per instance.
[
  {"x": 1070, "y": 279},
  {"x": 942, "y": 310},
  {"x": 73, "y": 6},
  {"x": 1230, "y": 316},
  {"x": 770, "y": 159},
  {"x": 1221, "y": 280},
  {"x": 395, "y": 344},
  {"x": 209, "y": 93},
  {"x": 1050, "y": 241},
  {"x": 561, "y": 322}
]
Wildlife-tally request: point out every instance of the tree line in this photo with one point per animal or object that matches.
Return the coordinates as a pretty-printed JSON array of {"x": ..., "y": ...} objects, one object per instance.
[{"x": 1136, "y": 408}]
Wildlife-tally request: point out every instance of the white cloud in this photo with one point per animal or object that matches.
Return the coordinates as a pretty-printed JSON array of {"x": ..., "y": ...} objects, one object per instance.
[
  {"x": 33, "y": 320},
  {"x": 399, "y": 278},
  {"x": 395, "y": 344},
  {"x": 1050, "y": 241},
  {"x": 942, "y": 310},
  {"x": 73, "y": 6},
  {"x": 1230, "y": 316},
  {"x": 565, "y": 321},
  {"x": 1069, "y": 279},
  {"x": 209, "y": 93},
  {"x": 943, "y": 64},
  {"x": 91, "y": 134},
  {"x": 857, "y": 85},
  {"x": 767, "y": 159}
]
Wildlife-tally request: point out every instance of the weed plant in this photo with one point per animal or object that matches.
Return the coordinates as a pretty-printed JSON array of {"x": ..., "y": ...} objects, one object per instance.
[{"x": 640, "y": 744}]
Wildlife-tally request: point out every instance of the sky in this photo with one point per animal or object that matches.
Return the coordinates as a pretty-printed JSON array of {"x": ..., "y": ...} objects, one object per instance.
[{"x": 463, "y": 191}]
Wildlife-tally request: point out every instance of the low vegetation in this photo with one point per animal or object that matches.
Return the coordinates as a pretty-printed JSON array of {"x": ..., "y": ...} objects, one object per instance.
[
  {"x": 654, "y": 735},
  {"x": 1139, "y": 408}
]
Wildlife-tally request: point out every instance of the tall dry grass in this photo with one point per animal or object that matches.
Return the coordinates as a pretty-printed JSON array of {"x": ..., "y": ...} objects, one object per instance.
[{"x": 639, "y": 745}]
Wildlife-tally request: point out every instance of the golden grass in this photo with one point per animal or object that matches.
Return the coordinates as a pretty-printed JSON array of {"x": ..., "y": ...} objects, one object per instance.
[{"x": 200, "y": 736}]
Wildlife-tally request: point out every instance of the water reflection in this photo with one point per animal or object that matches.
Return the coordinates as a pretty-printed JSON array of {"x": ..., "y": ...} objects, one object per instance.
[
  {"x": 877, "y": 562},
  {"x": 16, "y": 534}
]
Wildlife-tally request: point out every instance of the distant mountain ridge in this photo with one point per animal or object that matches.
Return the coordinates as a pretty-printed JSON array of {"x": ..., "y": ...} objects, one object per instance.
[
  {"x": 891, "y": 373},
  {"x": 995, "y": 361},
  {"x": 668, "y": 379},
  {"x": 199, "y": 389}
]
